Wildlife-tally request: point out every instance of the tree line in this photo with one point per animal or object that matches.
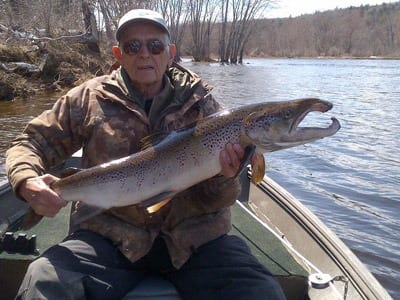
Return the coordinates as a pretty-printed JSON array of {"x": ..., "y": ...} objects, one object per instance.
[
  {"x": 352, "y": 32},
  {"x": 190, "y": 21},
  {"x": 225, "y": 30}
]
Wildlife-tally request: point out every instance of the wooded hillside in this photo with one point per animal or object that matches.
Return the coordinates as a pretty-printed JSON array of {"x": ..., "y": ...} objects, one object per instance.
[
  {"x": 205, "y": 29},
  {"x": 357, "y": 32},
  {"x": 56, "y": 44}
]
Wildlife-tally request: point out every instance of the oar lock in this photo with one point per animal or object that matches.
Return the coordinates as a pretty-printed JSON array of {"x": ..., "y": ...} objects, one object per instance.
[{"x": 322, "y": 281}]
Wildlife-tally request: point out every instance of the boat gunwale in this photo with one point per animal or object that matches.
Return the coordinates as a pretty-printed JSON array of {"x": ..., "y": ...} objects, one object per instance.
[{"x": 359, "y": 275}]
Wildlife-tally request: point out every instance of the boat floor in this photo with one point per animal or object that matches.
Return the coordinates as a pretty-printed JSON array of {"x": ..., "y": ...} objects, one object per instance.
[{"x": 265, "y": 246}]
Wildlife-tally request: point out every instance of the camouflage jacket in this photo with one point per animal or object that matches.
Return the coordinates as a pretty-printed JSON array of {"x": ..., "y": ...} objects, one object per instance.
[{"x": 106, "y": 118}]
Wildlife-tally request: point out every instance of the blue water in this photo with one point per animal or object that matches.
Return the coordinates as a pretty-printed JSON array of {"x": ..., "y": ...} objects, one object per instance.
[{"x": 350, "y": 180}]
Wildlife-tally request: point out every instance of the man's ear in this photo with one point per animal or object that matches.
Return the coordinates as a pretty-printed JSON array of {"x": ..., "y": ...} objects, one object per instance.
[{"x": 117, "y": 53}]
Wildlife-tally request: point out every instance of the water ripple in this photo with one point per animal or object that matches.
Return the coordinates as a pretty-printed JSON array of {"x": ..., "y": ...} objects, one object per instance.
[
  {"x": 350, "y": 180},
  {"x": 357, "y": 171}
]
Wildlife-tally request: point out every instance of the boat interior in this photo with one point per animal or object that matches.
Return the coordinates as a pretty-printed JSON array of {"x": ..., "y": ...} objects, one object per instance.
[{"x": 285, "y": 236}]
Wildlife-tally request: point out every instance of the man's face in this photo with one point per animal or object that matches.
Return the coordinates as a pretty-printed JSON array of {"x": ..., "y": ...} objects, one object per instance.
[{"x": 144, "y": 68}]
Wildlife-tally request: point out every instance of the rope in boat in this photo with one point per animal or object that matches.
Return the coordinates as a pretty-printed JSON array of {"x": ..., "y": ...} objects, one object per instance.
[{"x": 287, "y": 244}]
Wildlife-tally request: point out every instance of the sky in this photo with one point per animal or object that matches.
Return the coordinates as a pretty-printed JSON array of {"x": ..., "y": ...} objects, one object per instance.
[{"x": 294, "y": 8}]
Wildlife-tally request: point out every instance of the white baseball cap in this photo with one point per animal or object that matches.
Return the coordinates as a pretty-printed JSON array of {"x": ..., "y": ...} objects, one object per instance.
[{"x": 138, "y": 15}]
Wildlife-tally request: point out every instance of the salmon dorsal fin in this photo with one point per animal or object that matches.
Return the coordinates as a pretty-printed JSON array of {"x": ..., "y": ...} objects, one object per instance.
[
  {"x": 257, "y": 168},
  {"x": 153, "y": 139}
]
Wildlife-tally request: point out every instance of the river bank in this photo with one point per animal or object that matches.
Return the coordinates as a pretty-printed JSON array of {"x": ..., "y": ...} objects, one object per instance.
[{"x": 27, "y": 68}]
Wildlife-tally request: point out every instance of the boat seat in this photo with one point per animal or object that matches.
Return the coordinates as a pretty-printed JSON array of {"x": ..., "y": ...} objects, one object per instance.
[{"x": 153, "y": 288}]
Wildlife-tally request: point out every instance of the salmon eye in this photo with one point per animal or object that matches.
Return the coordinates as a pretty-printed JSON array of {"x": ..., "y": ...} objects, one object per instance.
[{"x": 288, "y": 113}]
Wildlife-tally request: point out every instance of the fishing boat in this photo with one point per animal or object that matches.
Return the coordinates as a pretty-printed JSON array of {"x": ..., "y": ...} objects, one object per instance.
[{"x": 306, "y": 257}]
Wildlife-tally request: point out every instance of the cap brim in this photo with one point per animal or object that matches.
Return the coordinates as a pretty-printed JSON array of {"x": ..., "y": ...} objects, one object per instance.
[{"x": 121, "y": 29}]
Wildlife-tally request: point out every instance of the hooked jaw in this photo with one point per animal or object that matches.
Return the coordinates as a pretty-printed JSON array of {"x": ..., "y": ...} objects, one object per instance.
[
  {"x": 297, "y": 133},
  {"x": 314, "y": 133},
  {"x": 285, "y": 132},
  {"x": 321, "y": 106}
]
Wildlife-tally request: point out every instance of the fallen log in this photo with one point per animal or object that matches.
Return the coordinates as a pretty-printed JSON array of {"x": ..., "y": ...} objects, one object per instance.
[
  {"x": 84, "y": 38},
  {"x": 21, "y": 68}
]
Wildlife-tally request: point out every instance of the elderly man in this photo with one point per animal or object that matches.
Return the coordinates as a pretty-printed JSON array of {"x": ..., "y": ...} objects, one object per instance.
[{"x": 185, "y": 240}]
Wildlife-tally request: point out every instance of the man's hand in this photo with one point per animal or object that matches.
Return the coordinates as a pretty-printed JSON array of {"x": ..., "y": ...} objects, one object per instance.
[
  {"x": 231, "y": 158},
  {"x": 43, "y": 200}
]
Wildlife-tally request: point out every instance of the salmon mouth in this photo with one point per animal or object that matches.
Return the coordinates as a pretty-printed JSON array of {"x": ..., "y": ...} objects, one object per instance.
[
  {"x": 297, "y": 133},
  {"x": 280, "y": 128}
]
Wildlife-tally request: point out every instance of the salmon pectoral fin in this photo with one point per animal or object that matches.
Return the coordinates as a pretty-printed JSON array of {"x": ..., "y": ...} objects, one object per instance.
[
  {"x": 155, "y": 203},
  {"x": 257, "y": 168},
  {"x": 157, "y": 206}
]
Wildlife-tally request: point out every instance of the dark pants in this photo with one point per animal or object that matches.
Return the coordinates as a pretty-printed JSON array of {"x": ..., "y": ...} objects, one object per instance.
[{"x": 88, "y": 266}]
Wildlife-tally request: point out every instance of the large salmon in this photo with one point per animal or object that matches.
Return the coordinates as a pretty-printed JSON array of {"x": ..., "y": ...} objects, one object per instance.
[{"x": 190, "y": 155}]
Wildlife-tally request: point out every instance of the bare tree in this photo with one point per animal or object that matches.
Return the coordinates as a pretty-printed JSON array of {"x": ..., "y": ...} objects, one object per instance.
[
  {"x": 91, "y": 30},
  {"x": 50, "y": 18},
  {"x": 363, "y": 31},
  {"x": 107, "y": 20},
  {"x": 202, "y": 18},
  {"x": 175, "y": 13},
  {"x": 222, "y": 36},
  {"x": 239, "y": 15}
]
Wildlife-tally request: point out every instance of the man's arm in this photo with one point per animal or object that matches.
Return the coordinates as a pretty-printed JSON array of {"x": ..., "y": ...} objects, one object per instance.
[{"x": 45, "y": 142}]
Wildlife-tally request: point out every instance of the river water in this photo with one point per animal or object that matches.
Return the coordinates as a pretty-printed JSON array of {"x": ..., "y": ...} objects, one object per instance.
[{"x": 350, "y": 180}]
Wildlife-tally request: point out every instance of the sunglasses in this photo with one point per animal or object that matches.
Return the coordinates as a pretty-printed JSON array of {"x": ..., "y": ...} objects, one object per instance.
[{"x": 133, "y": 47}]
